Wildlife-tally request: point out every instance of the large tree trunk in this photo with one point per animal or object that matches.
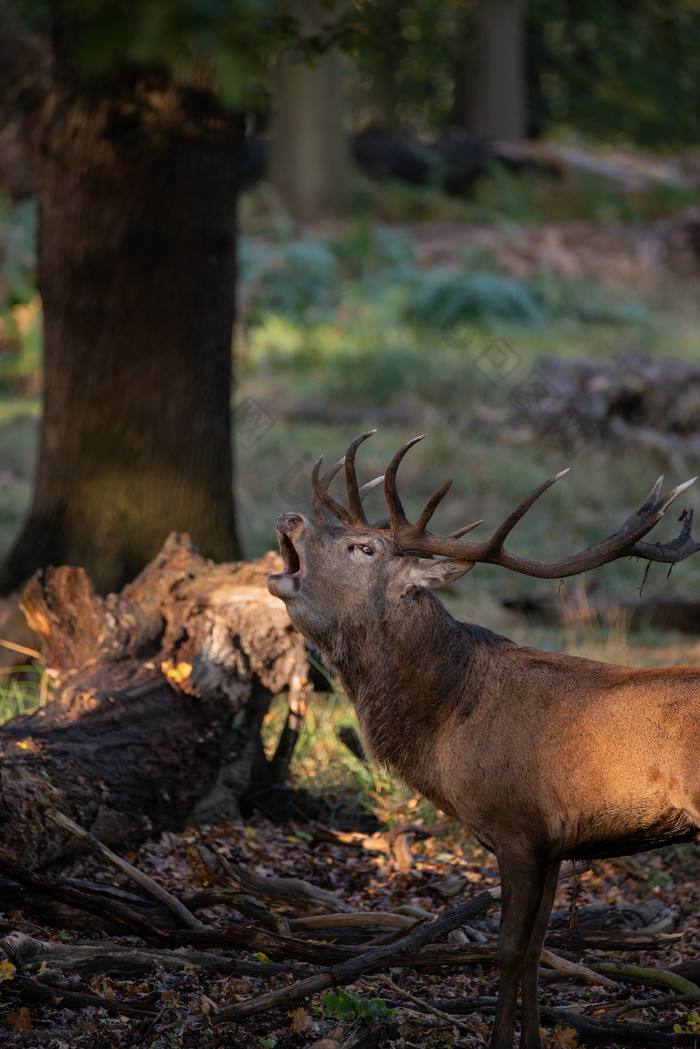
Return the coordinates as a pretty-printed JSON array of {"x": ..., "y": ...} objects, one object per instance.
[
  {"x": 137, "y": 240},
  {"x": 159, "y": 696},
  {"x": 499, "y": 104},
  {"x": 309, "y": 160}
]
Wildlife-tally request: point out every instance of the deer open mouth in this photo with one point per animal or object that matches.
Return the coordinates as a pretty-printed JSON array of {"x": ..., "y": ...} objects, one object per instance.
[
  {"x": 285, "y": 584},
  {"x": 290, "y": 557}
]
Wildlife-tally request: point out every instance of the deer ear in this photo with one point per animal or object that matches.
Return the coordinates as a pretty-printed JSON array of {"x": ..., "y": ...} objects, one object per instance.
[{"x": 421, "y": 571}]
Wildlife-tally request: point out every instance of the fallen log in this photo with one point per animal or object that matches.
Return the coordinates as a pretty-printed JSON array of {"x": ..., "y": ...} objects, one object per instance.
[{"x": 159, "y": 693}]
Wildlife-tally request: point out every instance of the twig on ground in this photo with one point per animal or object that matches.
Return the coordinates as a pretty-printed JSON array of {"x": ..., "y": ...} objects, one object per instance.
[
  {"x": 60, "y": 889},
  {"x": 461, "y": 1024},
  {"x": 563, "y": 965},
  {"x": 347, "y": 972},
  {"x": 29, "y": 955},
  {"x": 27, "y": 988},
  {"x": 647, "y": 1003},
  {"x": 592, "y": 1033},
  {"x": 211, "y": 865},
  {"x": 356, "y": 920},
  {"x": 152, "y": 887}
]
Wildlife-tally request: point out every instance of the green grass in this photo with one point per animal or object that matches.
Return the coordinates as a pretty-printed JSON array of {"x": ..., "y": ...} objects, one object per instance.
[
  {"x": 22, "y": 690},
  {"x": 323, "y": 765}
]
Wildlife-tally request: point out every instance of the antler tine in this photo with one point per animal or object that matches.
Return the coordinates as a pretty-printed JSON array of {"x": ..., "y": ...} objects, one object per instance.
[
  {"x": 432, "y": 505},
  {"x": 357, "y": 510},
  {"x": 503, "y": 531},
  {"x": 322, "y": 500},
  {"x": 675, "y": 492},
  {"x": 370, "y": 485},
  {"x": 396, "y": 510},
  {"x": 467, "y": 528}
]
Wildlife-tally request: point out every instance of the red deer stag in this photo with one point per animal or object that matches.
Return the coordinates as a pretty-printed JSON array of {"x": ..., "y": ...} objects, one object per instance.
[{"x": 543, "y": 756}]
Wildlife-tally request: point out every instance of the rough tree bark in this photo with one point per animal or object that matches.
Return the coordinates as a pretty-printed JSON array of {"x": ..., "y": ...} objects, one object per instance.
[
  {"x": 137, "y": 239},
  {"x": 159, "y": 696}
]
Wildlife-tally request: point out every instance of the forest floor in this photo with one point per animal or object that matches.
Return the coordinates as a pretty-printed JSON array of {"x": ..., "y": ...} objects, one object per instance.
[{"x": 181, "y": 1003}]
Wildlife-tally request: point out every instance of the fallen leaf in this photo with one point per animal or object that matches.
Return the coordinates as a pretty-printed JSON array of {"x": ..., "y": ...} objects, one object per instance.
[{"x": 21, "y": 1021}]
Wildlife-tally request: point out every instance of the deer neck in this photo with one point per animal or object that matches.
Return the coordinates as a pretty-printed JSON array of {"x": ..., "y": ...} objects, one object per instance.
[{"x": 407, "y": 676}]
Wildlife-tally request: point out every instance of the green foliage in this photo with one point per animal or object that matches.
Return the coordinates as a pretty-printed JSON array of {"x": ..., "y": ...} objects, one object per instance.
[
  {"x": 232, "y": 42},
  {"x": 17, "y": 253},
  {"x": 347, "y": 1007},
  {"x": 20, "y": 315},
  {"x": 291, "y": 278},
  {"x": 375, "y": 271},
  {"x": 691, "y": 1025},
  {"x": 502, "y": 195},
  {"x": 22, "y": 693},
  {"x": 232, "y": 39},
  {"x": 421, "y": 44},
  {"x": 617, "y": 70},
  {"x": 442, "y": 293}
]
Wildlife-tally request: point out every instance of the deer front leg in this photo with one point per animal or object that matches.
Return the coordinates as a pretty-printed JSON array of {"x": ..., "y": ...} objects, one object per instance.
[
  {"x": 524, "y": 878},
  {"x": 530, "y": 1012}
]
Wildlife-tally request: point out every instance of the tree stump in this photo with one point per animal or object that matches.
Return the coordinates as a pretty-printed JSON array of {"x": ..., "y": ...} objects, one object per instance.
[{"x": 159, "y": 693}]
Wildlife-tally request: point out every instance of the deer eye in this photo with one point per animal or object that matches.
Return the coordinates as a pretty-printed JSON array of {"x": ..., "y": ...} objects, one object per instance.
[{"x": 364, "y": 548}]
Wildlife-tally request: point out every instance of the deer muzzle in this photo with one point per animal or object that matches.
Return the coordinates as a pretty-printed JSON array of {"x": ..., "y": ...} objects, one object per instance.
[{"x": 285, "y": 584}]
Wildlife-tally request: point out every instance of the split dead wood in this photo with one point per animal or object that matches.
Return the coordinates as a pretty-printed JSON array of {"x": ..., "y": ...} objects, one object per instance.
[
  {"x": 109, "y": 910},
  {"x": 159, "y": 694},
  {"x": 212, "y": 896},
  {"x": 647, "y": 1003},
  {"x": 644, "y": 974},
  {"x": 395, "y": 841},
  {"x": 590, "y": 1032},
  {"x": 381, "y": 841},
  {"x": 562, "y": 966},
  {"x": 355, "y": 920},
  {"x": 361, "y": 1036},
  {"x": 613, "y": 939}
]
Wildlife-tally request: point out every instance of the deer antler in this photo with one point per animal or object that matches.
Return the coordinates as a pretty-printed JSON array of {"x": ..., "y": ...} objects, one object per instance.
[
  {"x": 356, "y": 517},
  {"x": 625, "y": 542}
]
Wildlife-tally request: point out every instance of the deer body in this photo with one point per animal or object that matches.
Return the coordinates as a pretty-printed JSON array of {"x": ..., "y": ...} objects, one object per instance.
[{"x": 543, "y": 756}]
